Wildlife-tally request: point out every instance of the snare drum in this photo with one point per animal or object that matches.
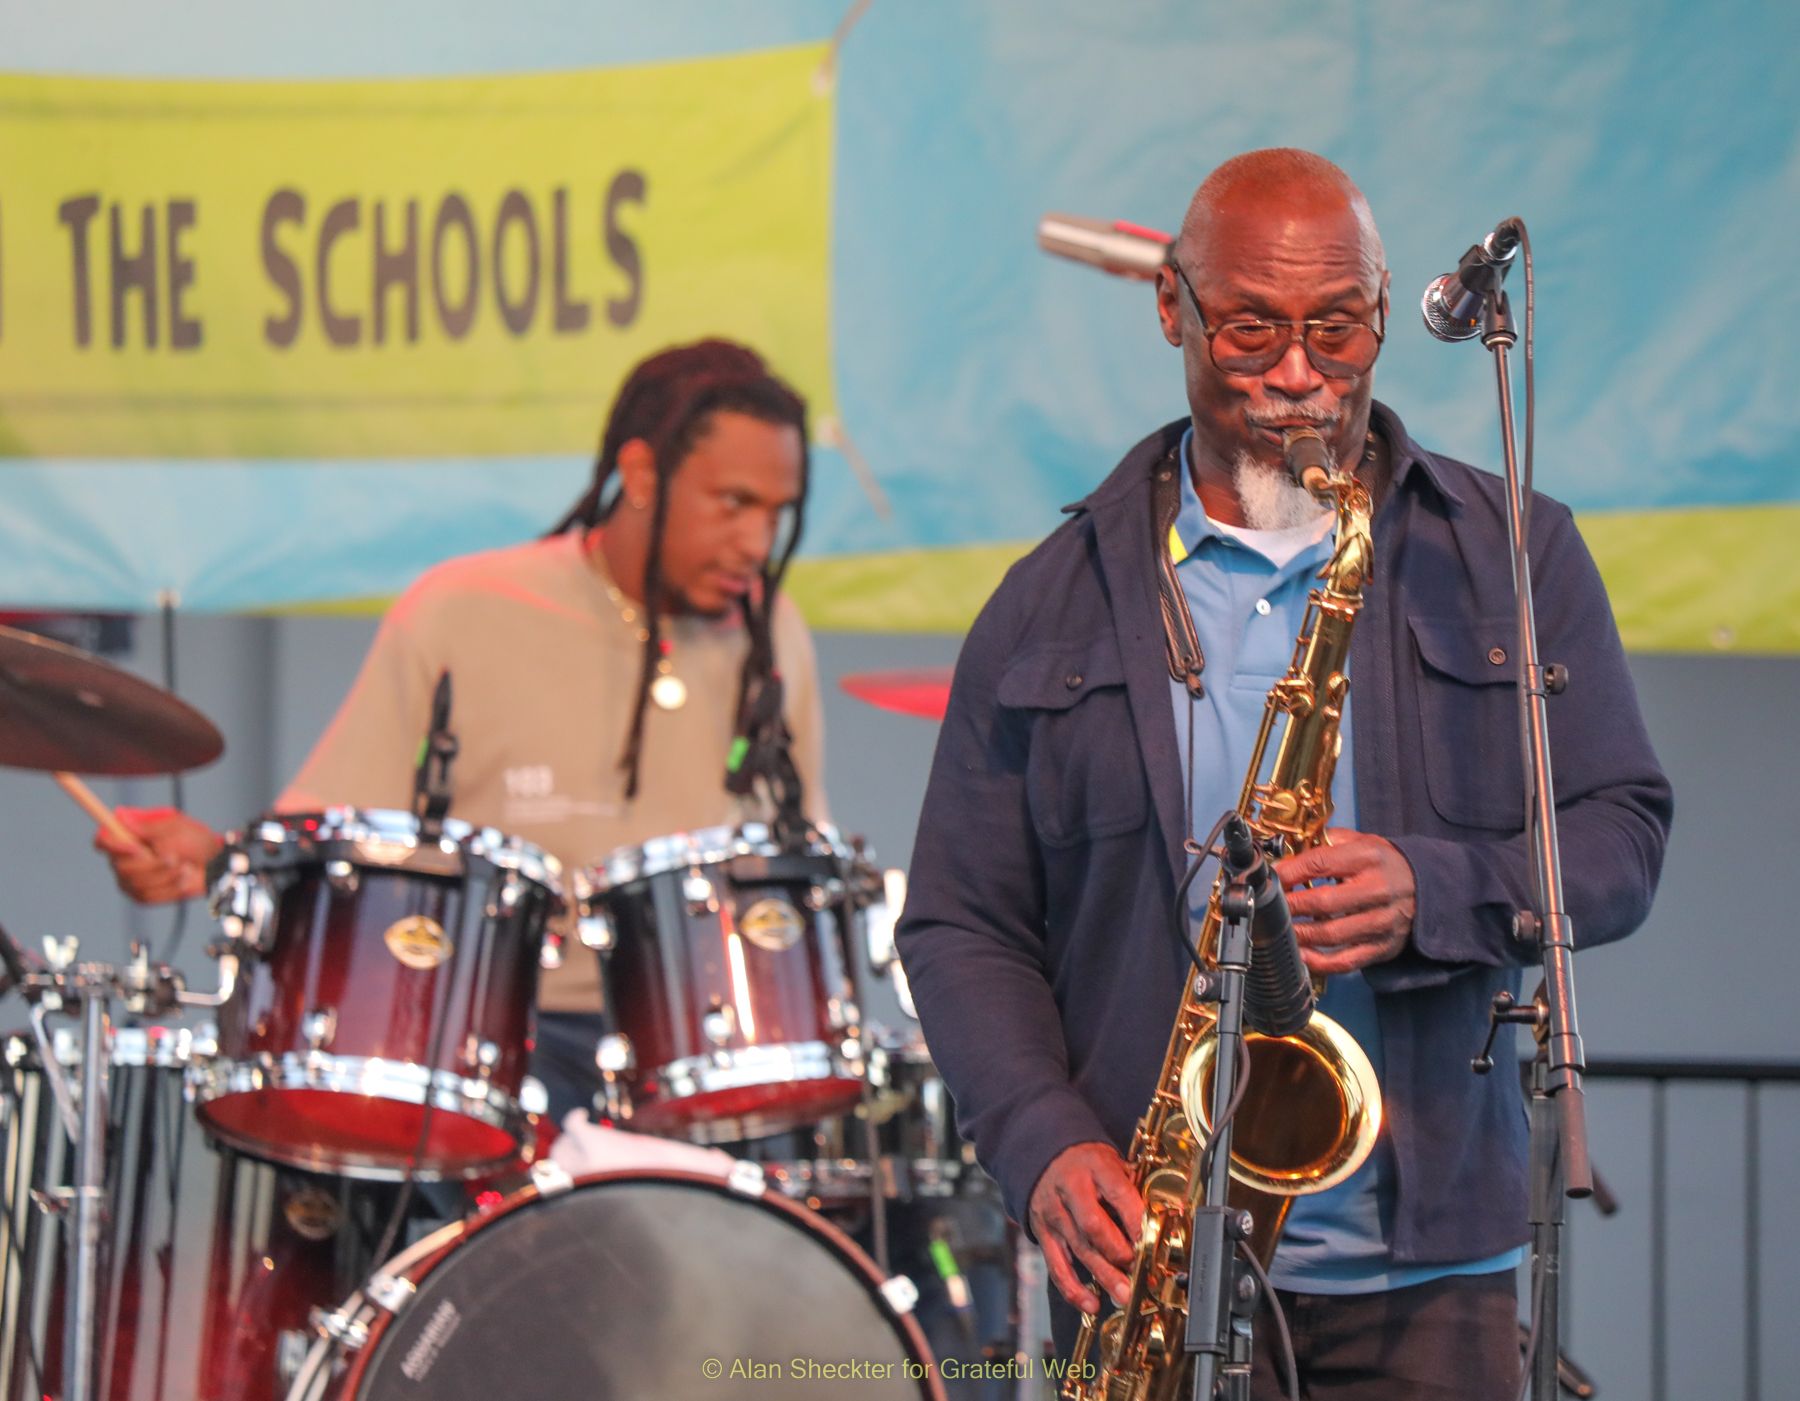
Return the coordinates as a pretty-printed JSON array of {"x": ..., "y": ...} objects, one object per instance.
[
  {"x": 724, "y": 976},
  {"x": 211, "y": 1262},
  {"x": 379, "y": 971},
  {"x": 627, "y": 1285}
]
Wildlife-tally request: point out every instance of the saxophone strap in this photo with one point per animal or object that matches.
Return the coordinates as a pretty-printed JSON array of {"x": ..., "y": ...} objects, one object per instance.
[{"x": 1181, "y": 644}]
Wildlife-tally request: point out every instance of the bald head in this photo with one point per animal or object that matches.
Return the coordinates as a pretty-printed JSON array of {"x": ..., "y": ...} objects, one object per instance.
[
  {"x": 1282, "y": 243},
  {"x": 1279, "y": 181}
]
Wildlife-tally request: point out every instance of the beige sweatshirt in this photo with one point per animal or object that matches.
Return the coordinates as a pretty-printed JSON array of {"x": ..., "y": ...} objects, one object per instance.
[{"x": 544, "y": 672}]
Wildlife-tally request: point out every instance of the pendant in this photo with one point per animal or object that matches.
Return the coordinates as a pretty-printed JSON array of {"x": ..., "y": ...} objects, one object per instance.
[{"x": 669, "y": 692}]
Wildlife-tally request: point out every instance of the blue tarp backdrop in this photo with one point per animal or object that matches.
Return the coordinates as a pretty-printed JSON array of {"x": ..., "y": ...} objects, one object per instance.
[{"x": 1651, "y": 147}]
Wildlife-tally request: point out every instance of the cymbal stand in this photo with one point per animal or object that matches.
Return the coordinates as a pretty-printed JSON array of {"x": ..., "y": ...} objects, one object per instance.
[{"x": 88, "y": 990}]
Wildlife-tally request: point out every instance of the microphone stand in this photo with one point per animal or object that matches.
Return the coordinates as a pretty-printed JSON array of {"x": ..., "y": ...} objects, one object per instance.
[
  {"x": 1559, "y": 1149},
  {"x": 1222, "y": 1291}
]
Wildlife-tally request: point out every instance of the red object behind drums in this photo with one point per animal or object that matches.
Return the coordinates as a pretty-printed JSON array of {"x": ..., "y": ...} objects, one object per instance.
[
  {"x": 375, "y": 962},
  {"x": 625, "y": 1286},
  {"x": 725, "y": 983}
]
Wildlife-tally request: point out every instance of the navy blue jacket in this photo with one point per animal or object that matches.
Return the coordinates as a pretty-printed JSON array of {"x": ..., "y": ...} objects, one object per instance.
[{"x": 1036, "y": 928}]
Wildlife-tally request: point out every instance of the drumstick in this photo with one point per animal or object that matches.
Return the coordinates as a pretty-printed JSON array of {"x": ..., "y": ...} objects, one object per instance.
[{"x": 89, "y": 802}]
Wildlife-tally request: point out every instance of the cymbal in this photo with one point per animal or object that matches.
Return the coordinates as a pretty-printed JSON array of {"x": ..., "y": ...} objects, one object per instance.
[
  {"x": 924, "y": 692},
  {"x": 64, "y": 709}
]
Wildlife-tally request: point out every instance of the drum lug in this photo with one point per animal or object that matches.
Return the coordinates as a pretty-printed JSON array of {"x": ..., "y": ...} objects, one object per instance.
[
  {"x": 343, "y": 877},
  {"x": 823, "y": 896},
  {"x": 596, "y": 931},
  {"x": 319, "y": 1026},
  {"x": 341, "y": 1327},
  {"x": 615, "y": 1054},
  {"x": 291, "y": 1347},
  {"x": 719, "y": 1025},
  {"x": 901, "y": 1293},
  {"x": 389, "y": 1292},
  {"x": 550, "y": 1178},
  {"x": 699, "y": 893},
  {"x": 480, "y": 1057},
  {"x": 747, "y": 1178},
  {"x": 507, "y": 898},
  {"x": 245, "y": 909}
]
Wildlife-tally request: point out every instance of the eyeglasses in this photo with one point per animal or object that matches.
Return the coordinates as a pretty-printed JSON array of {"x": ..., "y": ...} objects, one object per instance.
[{"x": 1339, "y": 349}]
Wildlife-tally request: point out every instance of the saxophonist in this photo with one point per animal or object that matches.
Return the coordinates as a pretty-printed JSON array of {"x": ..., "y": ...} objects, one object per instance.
[{"x": 1074, "y": 763}]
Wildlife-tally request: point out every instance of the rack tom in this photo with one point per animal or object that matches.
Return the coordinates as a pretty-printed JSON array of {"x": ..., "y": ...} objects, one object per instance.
[
  {"x": 382, "y": 1015},
  {"x": 730, "y": 1009}
]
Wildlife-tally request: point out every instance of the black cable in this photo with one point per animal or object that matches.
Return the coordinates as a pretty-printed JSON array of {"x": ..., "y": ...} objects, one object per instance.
[
  {"x": 177, "y": 790},
  {"x": 1281, "y": 1323},
  {"x": 1189, "y": 949}
]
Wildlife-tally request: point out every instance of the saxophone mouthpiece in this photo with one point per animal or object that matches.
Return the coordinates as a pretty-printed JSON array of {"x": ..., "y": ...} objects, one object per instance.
[{"x": 1308, "y": 459}]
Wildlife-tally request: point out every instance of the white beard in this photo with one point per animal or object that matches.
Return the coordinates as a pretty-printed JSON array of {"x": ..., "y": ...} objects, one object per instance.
[{"x": 1270, "y": 498}]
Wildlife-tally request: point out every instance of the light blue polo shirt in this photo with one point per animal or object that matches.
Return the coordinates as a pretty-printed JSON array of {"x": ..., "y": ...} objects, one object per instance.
[{"x": 1247, "y": 593}]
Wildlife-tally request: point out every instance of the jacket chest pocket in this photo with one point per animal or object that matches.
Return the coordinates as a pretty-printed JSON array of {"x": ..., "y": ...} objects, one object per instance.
[
  {"x": 1468, "y": 699},
  {"x": 1084, "y": 777}
]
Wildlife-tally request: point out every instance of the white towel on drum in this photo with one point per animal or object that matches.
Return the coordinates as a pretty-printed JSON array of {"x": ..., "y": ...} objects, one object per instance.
[{"x": 584, "y": 1146}]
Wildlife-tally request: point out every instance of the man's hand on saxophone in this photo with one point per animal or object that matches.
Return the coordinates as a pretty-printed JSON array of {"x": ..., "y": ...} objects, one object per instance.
[
  {"x": 1073, "y": 1211},
  {"x": 1365, "y": 917}
]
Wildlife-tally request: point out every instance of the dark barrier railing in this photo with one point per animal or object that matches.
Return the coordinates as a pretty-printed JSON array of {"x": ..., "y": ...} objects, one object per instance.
[{"x": 1659, "y": 1074}]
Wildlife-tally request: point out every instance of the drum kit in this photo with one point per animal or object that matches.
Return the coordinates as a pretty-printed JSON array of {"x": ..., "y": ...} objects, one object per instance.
[{"x": 326, "y": 1178}]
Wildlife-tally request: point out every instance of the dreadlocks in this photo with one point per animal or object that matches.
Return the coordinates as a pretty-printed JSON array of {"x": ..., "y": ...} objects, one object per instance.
[{"x": 668, "y": 401}]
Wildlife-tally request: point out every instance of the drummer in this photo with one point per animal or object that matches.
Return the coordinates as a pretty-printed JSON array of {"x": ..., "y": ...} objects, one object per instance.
[{"x": 602, "y": 677}]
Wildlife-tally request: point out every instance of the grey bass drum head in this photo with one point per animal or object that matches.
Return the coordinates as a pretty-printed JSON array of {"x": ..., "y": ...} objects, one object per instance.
[{"x": 646, "y": 1285}]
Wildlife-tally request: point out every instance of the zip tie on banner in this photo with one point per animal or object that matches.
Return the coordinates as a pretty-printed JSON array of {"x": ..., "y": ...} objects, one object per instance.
[
  {"x": 831, "y": 433},
  {"x": 826, "y": 76}
]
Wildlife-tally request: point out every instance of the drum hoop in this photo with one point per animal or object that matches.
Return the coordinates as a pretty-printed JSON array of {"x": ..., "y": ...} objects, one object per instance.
[
  {"x": 359, "y": 828},
  {"x": 416, "y": 1263},
  {"x": 400, "y": 1082},
  {"x": 704, "y": 846}
]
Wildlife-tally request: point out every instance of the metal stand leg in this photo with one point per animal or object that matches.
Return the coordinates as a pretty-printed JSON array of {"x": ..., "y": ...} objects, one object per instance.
[
  {"x": 1546, "y": 1231},
  {"x": 89, "y": 1207}
]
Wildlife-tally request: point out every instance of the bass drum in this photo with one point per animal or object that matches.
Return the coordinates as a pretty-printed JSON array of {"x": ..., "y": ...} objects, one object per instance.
[{"x": 626, "y": 1285}]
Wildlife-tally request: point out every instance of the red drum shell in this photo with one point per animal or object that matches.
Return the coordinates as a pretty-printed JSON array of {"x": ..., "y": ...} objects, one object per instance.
[{"x": 382, "y": 959}]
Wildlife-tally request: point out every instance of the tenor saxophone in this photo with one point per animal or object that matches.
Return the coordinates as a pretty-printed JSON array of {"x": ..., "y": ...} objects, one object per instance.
[{"x": 1312, "y": 1108}]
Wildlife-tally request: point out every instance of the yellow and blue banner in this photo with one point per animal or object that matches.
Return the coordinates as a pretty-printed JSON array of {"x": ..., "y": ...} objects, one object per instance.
[{"x": 289, "y": 311}]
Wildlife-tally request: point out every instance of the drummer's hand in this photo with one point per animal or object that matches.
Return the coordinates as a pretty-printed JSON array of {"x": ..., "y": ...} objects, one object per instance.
[
  {"x": 1070, "y": 1218},
  {"x": 175, "y": 866}
]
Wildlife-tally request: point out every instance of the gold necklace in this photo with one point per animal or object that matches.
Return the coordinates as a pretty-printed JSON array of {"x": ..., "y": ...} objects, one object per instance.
[{"x": 667, "y": 690}]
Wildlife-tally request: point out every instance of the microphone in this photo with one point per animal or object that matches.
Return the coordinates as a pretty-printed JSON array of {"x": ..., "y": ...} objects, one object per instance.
[
  {"x": 1112, "y": 245},
  {"x": 437, "y": 751},
  {"x": 1452, "y": 303},
  {"x": 1278, "y": 991}
]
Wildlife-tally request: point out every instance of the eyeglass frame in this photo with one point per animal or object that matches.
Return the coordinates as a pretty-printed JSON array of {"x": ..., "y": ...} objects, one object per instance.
[{"x": 1379, "y": 329}]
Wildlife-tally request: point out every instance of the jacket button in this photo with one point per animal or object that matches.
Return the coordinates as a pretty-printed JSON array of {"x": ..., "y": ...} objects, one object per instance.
[
  {"x": 1073, "y": 681},
  {"x": 1496, "y": 655}
]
